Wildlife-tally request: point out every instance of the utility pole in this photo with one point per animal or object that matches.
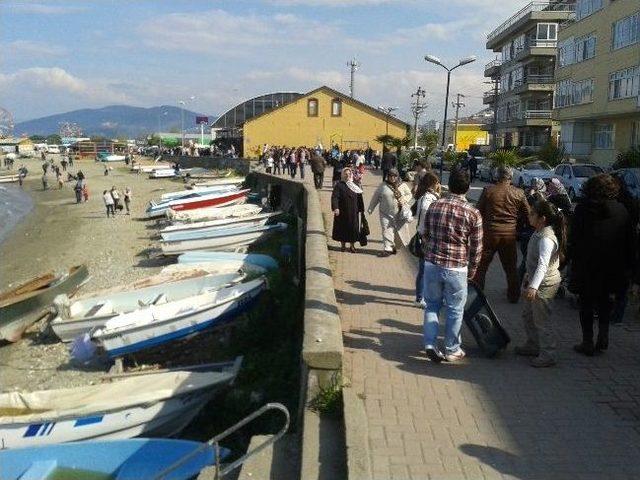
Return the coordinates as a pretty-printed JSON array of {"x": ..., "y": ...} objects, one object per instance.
[
  {"x": 494, "y": 128},
  {"x": 417, "y": 108},
  {"x": 457, "y": 104},
  {"x": 353, "y": 64}
]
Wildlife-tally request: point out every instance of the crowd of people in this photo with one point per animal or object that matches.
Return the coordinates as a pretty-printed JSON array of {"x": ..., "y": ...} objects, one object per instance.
[
  {"x": 590, "y": 250},
  {"x": 115, "y": 201}
]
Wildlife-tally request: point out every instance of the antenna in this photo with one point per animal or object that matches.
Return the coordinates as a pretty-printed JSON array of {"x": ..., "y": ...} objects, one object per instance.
[{"x": 353, "y": 64}]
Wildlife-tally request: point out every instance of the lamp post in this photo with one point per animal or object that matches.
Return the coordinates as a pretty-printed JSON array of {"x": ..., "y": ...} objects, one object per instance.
[
  {"x": 182, "y": 105},
  {"x": 159, "y": 125},
  {"x": 387, "y": 111},
  {"x": 436, "y": 61}
]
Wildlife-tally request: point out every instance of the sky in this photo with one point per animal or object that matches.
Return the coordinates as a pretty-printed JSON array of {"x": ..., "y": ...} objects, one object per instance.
[{"x": 62, "y": 55}]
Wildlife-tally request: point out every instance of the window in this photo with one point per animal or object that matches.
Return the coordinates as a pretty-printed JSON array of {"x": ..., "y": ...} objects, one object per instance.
[
  {"x": 626, "y": 31},
  {"x": 518, "y": 44},
  {"x": 563, "y": 93},
  {"x": 584, "y": 8},
  {"x": 624, "y": 83},
  {"x": 582, "y": 92},
  {"x": 566, "y": 52},
  {"x": 585, "y": 48},
  {"x": 506, "y": 52},
  {"x": 603, "y": 137},
  {"x": 547, "y": 31},
  {"x": 312, "y": 107},
  {"x": 336, "y": 107}
]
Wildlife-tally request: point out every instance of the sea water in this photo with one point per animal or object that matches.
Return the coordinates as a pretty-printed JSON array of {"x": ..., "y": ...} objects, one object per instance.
[{"x": 14, "y": 205}]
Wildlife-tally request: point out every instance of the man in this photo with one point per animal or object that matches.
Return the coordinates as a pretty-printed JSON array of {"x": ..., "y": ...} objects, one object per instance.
[
  {"x": 389, "y": 161},
  {"x": 473, "y": 167},
  {"x": 318, "y": 164},
  {"x": 452, "y": 250},
  {"x": 503, "y": 208}
]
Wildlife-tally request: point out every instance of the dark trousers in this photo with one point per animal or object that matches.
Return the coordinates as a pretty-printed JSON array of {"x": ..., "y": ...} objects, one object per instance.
[
  {"x": 599, "y": 303},
  {"x": 111, "y": 211},
  {"x": 292, "y": 170},
  {"x": 385, "y": 172},
  {"x": 507, "y": 250},
  {"x": 318, "y": 179},
  {"x": 276, "y": 169},
  {"x": 302, "y": 171}
]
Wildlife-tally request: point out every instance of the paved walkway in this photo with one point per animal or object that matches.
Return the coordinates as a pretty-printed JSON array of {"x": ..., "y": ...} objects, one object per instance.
[{"x": 483, "y": 419}]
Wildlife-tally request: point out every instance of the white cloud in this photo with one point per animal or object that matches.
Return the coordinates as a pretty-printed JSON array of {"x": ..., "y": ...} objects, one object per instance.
[{"x": 42, "y": 8}]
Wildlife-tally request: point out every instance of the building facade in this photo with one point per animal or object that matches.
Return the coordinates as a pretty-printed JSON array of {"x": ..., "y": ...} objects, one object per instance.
[
  {"x": 468, "y": 131},
  {"x": 598, "y": 80},
  {"x": 321, "y": 117},
  {"x": 523, "y": 74}
]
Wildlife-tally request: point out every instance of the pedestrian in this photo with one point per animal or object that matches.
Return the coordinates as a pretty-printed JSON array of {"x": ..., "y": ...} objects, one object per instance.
[
  {"x": 389, "y": 161},
  {"x": 293, "y": 163},
  {"x": 60, "y": 180},
  {"x": 63, "y": 162},
  {"x": 393, "y": 199},
  {"x": 452, "y": 251},
  {"x": 546, "y": 251},
  {"x": 78, "y": 191},
  {"x": 108, "y": 202},
  {"x": 473, "y": 167},
  {"x": 303, "y": 162},
  {"x": 45, "y": 181},
  {"x": 601, "y": 252},
  {"x": 106, "y": 170},
  {"x": 269, "y": 163},
  {"x": 85, "y": 190},
  {"x": 71, "y": 160},
  {"x": 127, "y": 199},
  {"x": 503, "y": 207},
  {"x": 115, "y": 194},
  {"x": 347, "y": 206},
  {"x": 428, "y": 191},
  {"x": 318, "y": 164}
]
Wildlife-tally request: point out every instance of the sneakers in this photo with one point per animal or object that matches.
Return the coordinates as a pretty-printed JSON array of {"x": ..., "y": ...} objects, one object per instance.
[
  {"x": 455, "y": 356},
  {"x": 526, "y": 350},
  {"x": 433, "y": 354},
  {"x": 420, "y": 303}
]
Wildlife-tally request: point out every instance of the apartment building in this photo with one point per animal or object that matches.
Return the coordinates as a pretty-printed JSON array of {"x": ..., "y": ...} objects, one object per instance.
[
  {"x": 523, "y": 74},
  {"x": 597, "y": 98}
]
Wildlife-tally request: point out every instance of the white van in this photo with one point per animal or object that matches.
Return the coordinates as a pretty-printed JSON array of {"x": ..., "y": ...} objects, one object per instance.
[{"x": 53, "y": 149}]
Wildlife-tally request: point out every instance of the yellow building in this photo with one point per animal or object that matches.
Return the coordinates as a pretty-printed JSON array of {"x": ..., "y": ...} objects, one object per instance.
[
  {"x": 469, "y": 132},
  {"x": 597, "y": 97},
  {"x": 321, "y": 117}
]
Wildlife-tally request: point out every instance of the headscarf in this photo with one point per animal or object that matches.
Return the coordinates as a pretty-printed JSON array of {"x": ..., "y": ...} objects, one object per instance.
[
  {"x": 350, "y": 183},
  {"x": 556, "y": 188},
  {"x": 394, "y": 186},
  {"x": 538, "y": 184}
]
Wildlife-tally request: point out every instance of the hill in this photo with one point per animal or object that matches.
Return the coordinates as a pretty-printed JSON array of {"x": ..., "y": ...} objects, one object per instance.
[{"x": 114, "y": 121}]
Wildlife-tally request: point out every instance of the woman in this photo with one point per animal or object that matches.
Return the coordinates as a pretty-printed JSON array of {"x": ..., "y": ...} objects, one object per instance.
[
  {"x": 347, "y": 205},
  {"x": 127, "y": 199},
  {"x": 542, "y": 279},
  {"x": 395, "y": 200},
  {"x": 601, "y": 253},
  {"x": 427, "y": 191},
  {"x": 116, "y": 198}
]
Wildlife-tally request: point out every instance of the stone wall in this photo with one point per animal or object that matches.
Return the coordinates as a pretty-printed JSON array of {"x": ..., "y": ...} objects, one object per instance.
[{"x": 241, "y": 165}]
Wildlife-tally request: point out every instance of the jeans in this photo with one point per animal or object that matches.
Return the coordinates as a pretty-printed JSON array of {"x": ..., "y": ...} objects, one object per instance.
[
  {"x": 448, "y": 288},
  {"x": 420, "y": 281}
]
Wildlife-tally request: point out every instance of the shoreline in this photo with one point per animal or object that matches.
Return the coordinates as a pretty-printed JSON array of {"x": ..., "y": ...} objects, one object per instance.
[{"x": 22, "y": 208}]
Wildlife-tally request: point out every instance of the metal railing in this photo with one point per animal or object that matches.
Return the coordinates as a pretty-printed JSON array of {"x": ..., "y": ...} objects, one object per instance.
[
  {"x": 495, "y": 63},
  {"x": 536, "y": 114},
  {"x": 542, "y": 43},
  {"x": 539, "y": 79},
  {"x": 489, "y": 93},
  {"x": 536, "y": 6}
]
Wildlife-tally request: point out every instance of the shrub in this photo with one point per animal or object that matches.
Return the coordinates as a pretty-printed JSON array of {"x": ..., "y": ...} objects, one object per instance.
[
  {"x": 628, "y": 159},
  {"x": 505, "y": 158},
  {"x": 552, "y": 154}
]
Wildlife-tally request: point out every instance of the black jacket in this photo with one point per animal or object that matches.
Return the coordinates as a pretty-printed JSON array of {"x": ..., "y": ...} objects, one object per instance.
[{"x": 389, "y": 161}]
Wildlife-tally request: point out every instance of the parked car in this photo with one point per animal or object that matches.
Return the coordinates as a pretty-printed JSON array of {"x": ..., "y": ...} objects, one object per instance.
[
  {"x": 631, "y": 178},
  {"x": 53, "y": 149},
  {"x": 523, "y": 175},
  {"x": 486, "y": 171},
  {"x": 573, "y": 176}
]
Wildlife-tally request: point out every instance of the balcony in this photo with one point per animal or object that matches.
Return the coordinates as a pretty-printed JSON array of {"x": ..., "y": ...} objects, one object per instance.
[
  {"x": 536, "y": 114},
  {"x": 552, "y": 11},
  {"x": 489, "y": 97},
  {"x": 492, "y": 68},
  {"x": 527, "y": 118}
]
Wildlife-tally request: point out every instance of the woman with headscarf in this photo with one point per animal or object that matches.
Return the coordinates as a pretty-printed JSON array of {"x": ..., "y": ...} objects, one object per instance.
[
  {"x": 601, "y": 253},
  {"x": 347, "y": 205},
  {"x": 557, "y": 194},
  {"x": 394, "y": 199}
]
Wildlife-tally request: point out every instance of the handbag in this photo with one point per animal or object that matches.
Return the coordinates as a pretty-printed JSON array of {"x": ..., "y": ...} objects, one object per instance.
[
  {"x": 415, "y": 244},
  {"x": 364, "y": 231}
]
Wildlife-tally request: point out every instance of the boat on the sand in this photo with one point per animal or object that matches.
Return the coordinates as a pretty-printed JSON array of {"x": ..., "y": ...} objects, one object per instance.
[
  {"x": 203, "y": 256},
  {"x": 23, "y": 305},
  {"x": 213, "y": 213},
  {"x": 151, "y": 404},
  {"x": 9, "y": 178},
  {"x": 197, "y": 191},
  {"x": 136, "y": 459},
  {"x": 215, "y": 199},
  {"x": 159, "y": 324},
  {"x": 249, "y": 221},
  {"x": 224, "y": 239}
]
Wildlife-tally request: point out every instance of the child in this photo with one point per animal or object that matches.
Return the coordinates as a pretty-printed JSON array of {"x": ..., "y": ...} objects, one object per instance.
[
  {"x": 542, "y": 279},
  {"x": 108, "y": 202}
]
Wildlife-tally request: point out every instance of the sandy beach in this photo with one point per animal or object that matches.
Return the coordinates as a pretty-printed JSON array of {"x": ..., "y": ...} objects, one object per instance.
[{"x": 57, "y": 234}]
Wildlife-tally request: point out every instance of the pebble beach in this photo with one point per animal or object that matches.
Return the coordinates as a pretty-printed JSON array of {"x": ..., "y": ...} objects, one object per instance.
[{"x": 57, "y": 234}]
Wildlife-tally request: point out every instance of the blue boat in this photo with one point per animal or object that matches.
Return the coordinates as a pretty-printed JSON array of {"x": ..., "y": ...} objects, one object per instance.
[
  {"x": 109, "y": 460},
  {"x": 204, "y": 256}
]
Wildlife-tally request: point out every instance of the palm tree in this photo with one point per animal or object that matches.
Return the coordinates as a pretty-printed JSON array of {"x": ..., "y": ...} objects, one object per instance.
[
  {"x": 386, "y": 140},
  {"x": 505, "y": 158}
]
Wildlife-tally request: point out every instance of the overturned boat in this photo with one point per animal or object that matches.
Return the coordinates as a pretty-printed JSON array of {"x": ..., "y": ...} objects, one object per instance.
[
  {"x": 248, "y": 221},
  {"x": 214, "y": 199},
  {"x": 213, "y": 213}
]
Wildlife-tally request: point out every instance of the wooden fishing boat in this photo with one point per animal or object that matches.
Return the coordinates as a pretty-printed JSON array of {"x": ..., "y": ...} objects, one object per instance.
[
  {"x": 249, "y": 221},
  {"x": 152, "y": 404},
  {"x": 215, "y": 199},
  {"x": 90, "y": 312},
  {"x": 22, "y": 306},
  {"x": 225, "y": 239},
  {"x": 205, "y": 256},
  {"x": 140, "y": 458},
  {"x": 213, "y": 213},
  {"x": 159, "y": 324},
  {"x": 197, "y": 191}
]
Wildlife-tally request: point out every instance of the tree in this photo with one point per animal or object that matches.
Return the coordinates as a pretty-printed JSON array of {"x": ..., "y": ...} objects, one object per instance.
[
  {"x": 38, "y": 138},
  {"x": 429, "y": 140},
  {"x": 154, "y": 140},
  {"x": 628, "y": 159},
  {"x": 505, "y": 158},
  {"x": 54, "y": 139},
  {"x": 386, "y": 140},
  {"x": 552, "y": 154}
]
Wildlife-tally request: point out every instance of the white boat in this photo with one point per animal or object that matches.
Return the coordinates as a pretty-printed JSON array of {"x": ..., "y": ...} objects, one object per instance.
[
  {"x": 213, "y": 199},
  {"x": 199, "y": 256},
  {"x": 150, "y": 168},
  {"x": 158, "y": 324},
  {"x": 158, "y": 404},
  {"x": 252, "y": 221},
  {"x": 213, "y": 213},
  {"x": 197, "y": 191},
  {"x": 113, "y": 158},
  {"x": 220, "y": 181},
  {"x": 9, "y": 178},
  {"x": 91, "y": 312},
  {"x": 226, "y": 239},
  {"x": 163, "y": 173}
]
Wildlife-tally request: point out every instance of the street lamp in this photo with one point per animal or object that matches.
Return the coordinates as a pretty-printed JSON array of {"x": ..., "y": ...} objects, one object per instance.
[
  {"x": 436, "y": 61},
  {"x": 387, "y": 111},
  {"x": 182, "y": 105}
]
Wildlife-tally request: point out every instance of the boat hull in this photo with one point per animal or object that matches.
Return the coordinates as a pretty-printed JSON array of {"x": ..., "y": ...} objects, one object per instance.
[
  {"x": 220, "y": 200},
  {"x": 16, "y": 317},
  {"x": 213, "y": 213},
  {"x": 212, "y": 225},
  {"x": 225, "y": 243},
  {"x": 205, "y": 256}
]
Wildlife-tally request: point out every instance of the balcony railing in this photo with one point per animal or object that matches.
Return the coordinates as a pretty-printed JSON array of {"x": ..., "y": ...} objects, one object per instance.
[
  {"x": 542, "y": 43},
  {"x": 536, "y": 6},
  {"x": 536, "y": 114},
  {"x": 495, "y": 63},
  {"x": 537, "y": 79}
]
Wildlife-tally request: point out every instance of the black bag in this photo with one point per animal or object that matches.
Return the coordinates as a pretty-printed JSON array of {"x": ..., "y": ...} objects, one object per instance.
[
  {"x": 364, "y": 231},
  {"x": 415, "y": 246},
  {"x": 483, "y": 323},
  {"x": 120, "y": 207}
]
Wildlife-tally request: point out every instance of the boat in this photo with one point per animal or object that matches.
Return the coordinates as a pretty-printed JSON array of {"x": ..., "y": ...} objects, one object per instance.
[
  {"x": 158, "y": 324},
  {"x": 249, "y": 221},
  {"x": 9, "y": 178},
  {"x": 213, "y": 213},
  {"x": 224, "y": 239},
  {"x": 22, "y": 306},
  {"x": 215, "y": 199},
  {"x": 220, "y": 181},
  {"x": 110, "y": 157},
  {"x": 203, "y": 256},
  {"x": 197, "y": 191},
  {"x": 90, "y": 312},
  {"x": 163, "y": 173},
  {"x": 136, "y": 459},
  {"x": 159, "y": 403}
]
